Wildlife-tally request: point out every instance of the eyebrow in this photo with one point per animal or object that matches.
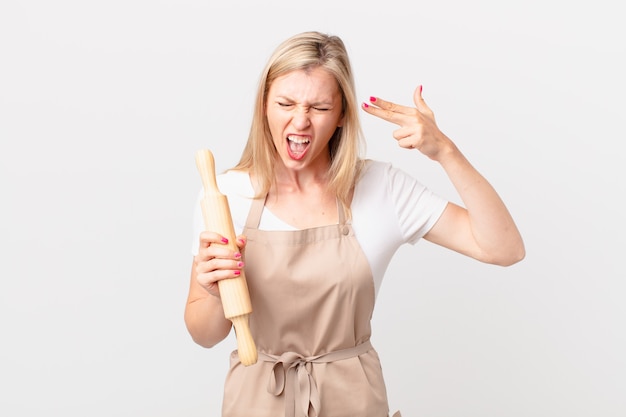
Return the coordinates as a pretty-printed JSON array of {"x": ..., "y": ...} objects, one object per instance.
[{"x": 316, "y": 103}]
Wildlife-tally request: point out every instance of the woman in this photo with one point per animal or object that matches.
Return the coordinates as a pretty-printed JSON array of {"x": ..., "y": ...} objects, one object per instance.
[{"x": 319, "y": 226}]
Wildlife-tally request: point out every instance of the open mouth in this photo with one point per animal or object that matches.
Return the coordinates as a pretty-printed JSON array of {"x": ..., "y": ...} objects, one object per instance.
[{"x": 297, "y": 146}]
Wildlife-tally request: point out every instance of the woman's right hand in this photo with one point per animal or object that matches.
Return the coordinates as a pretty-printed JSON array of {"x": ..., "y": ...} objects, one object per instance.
[{"x": 216, "y": 261}]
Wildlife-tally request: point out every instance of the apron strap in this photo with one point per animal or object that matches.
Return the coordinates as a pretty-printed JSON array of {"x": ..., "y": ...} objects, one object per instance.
[
  {"x": 340, "y": 213},
  {"x": 291, "y": 374},
  {"x": 254, "y": 215}
]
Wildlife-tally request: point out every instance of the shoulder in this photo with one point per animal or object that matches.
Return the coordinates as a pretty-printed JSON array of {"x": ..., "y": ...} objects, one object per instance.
[
  {"x": 383, "y": 175},
  {"x": 374, "y": 167},
  {"x": 373, "y": 171},
  {"x": 390, "y": 195},
  {"x": 235, "y": 183},
  {"x": 237, "y": 187}
]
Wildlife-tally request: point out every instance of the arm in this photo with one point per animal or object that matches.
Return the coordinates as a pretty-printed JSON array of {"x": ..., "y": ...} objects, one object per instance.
[
  {"x": 483, "y": 228},
  {"x": 204, "y": 315}
]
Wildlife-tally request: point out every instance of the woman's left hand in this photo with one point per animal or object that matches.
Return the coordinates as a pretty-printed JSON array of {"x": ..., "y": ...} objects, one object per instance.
[{"x": 418, "y": 128}]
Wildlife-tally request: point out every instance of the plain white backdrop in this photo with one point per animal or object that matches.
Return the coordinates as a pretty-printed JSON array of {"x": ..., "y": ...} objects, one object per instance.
[{"x": 103, "y": 105}]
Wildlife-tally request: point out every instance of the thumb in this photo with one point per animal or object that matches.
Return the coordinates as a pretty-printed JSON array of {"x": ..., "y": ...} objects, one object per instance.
[{"x": 421, "y": 104}]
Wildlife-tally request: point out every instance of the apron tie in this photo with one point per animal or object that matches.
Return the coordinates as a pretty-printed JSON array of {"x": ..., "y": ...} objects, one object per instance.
[
  {"x": 291, "y": 374},
  {"x": 301, "y": 386}
]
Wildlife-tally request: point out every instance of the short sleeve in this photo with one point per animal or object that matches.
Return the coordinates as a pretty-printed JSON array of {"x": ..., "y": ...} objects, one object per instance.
[
  {"x": 418, "y": 208},
  {"x": 237, "y": 188}
]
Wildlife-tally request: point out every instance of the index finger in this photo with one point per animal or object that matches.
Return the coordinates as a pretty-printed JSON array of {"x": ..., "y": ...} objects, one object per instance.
[
  {"x": 387, "y": 110},
  {"x": 208, "y": 237}
]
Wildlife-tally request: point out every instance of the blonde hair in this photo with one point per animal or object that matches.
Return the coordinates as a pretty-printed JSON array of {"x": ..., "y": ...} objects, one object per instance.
[{"x": 306, "y": 51}]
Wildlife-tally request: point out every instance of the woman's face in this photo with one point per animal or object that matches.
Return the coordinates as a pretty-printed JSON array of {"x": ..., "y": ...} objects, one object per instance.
[{"x": 303, "y": 111}]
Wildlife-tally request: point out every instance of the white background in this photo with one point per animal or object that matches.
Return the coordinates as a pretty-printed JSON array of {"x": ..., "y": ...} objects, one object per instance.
[{"x": 103, "y": 104}]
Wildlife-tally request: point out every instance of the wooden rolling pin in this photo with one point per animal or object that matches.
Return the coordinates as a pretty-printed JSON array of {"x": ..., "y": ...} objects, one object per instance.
[{"x": 233, "y": 291}]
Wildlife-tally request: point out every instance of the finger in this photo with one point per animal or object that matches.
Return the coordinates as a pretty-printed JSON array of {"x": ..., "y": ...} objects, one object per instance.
[
  {"x": 420, "y": 103},
  {"x": 219, "y": 266},
  {"x": 389, "y": 115},
  {"x": 405, "y": 131},
  {"x": 210, "y": 279},
  {"x": 207, "y": 238},
  {"x": 218, "y": 252},
  {"x": 417, "y": 97},
  {"x": 392, "y": 107},
  {"x": 241, "y": 242},
  {"x": 410, "y": 142}
]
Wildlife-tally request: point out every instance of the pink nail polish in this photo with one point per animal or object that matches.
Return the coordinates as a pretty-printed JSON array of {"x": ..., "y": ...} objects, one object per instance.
[
  {"x": 224, "y": 240},
  {"x": 372, "y": 99},
  {"x": 240, "y": 264},
  {"x": 366, "y": 105},
  {"x": 238, "y": 255},
  {"x": 421, "y": 89},
  {"x": 237, "y": 272}
]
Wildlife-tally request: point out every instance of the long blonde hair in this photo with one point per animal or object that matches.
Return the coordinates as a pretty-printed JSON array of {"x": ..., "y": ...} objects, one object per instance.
[{"x": 305, "y": 51}]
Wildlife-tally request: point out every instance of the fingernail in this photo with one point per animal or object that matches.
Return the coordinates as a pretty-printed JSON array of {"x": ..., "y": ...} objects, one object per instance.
[
  {"x": 421, "y": 89},
  {"x": 237, "y": 272},
  {"x": 224, "y": 240},
  {"x": 241, "y": 240},
  {"x": 240, "y": 264},
  {"x": 372, "y": 99},
  {"x": 237, "y": 255},
  {"x": 366, "y": 105}
]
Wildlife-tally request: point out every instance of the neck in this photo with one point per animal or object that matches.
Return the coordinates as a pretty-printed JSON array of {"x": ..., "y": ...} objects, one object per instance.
[{"x": 301, "y": 180}]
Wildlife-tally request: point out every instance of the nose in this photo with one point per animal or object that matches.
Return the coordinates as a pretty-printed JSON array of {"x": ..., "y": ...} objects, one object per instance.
[{"x": 301, "y": 118}]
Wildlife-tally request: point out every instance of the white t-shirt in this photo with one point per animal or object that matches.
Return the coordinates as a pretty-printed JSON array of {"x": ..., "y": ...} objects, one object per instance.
[{"x": 389, "y": 208}]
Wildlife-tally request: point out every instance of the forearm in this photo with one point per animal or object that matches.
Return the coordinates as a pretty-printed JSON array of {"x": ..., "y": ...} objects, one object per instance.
[
  {"x": 206, "y": 323},
  {"x": 204, "y": 315}
]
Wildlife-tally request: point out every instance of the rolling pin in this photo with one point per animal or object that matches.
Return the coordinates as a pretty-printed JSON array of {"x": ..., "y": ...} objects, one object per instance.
[{"x": 233, "y": 291}]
